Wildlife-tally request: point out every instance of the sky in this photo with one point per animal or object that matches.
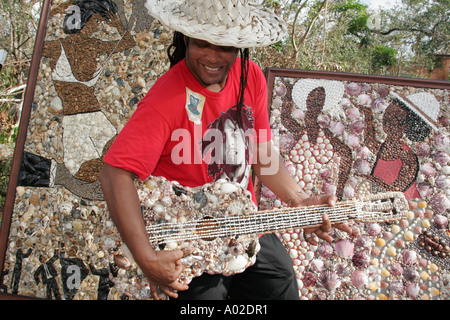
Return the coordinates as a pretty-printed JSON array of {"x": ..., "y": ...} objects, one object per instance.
[{"x": 375, "y": 4}]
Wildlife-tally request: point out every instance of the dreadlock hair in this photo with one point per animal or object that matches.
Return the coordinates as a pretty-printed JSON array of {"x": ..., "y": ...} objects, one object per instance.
[{"x": 177, "y": 52}]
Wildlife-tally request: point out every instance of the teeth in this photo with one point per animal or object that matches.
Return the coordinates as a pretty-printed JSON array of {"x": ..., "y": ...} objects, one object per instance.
[{"x": 211, "y": 69}]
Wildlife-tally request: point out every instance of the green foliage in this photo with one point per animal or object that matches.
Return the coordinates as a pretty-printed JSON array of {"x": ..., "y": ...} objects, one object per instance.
[{"x": 383, "y": 57}]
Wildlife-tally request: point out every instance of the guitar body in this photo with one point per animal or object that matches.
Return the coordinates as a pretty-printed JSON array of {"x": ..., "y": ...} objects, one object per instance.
[{"x": 188, "y": 219}]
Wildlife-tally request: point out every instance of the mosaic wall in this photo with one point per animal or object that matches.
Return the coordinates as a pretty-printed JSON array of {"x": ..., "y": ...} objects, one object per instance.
[
  {"x": 335, "y": 136},
  {"x": 353, "y": 138}
]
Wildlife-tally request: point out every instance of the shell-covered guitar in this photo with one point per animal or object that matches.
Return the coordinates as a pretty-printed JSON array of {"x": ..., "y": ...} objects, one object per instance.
[{"x": 217, "y": 226}]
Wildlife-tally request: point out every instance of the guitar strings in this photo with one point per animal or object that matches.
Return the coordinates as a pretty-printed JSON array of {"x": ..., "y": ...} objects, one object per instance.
[{"x": 261, "y": 222}]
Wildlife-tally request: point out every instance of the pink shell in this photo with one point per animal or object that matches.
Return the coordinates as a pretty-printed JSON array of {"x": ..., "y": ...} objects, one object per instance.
[
  {"x": 353, "y": 89},
  {"x": 325, "y": 174},
  {"x": 425, "y": 190},
  {"x": 357, "y": 126},
  {"x": 442, "y": 182},
  {"x": 344, "y": 248},
  {"x": 397, "y": 286},
  {"x": 325, "y": 250},
  {"x": 364, "y": 99},
  {"x": 440, "y": 222},
  {"x": 353, "y": 113},
  {"x": 442, "y": 158},
  {"x": 317, "y": 265},
  {"x": 428, "y": 170},
  {"x": 409, "y": 258},
  {"x": 361, "y": 260},
  {"x": 410, "y": 274},
  {"x": 329, "y": 280},
  {"x": 379, "y": 105},
  {"x": 442, "y": 142},
  {"x": 383, "y": 91},
  {"x": 324, "y": 120},
  {"x": 396, "y": 269},
  {"x": 349, "y": 192},
  {"x": 373, "y": 229},
  {"x": 440, "y": 203},
  {"x": 423, "y": 149},
  {"x": 362, "y": 166},
  {"x": 413, "y": 290},
  {"x": 286, "y": 141},
  {"x": 298, "y": 114},
  {"x": 328, "y": 188},
  {"x": 359, "y": 279},
  {"x": 337, "y": 128},
  {"x": 353, "y": 140},
  {"x": 267, "y": 193},
  {"x": 309, "y": 279}
]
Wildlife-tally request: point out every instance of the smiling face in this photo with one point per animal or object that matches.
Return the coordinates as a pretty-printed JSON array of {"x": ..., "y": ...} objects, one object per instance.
[{"x": 209, "y": 63}]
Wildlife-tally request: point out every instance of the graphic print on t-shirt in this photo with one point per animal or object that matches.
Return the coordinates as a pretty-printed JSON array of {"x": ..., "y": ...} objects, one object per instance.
[
  {"x": 194, "y": 105},
  {"x": 227, "y": 147}
]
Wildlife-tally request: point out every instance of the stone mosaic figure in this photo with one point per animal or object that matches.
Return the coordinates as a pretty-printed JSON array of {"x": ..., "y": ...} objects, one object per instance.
[
  {"x": 75, "y": 71},
  {"x": 396, "y": 166},
  {"x": 17, "y": 271},
  {"x": 47, "y": 272},
  {"x": 104, "y": 283}
]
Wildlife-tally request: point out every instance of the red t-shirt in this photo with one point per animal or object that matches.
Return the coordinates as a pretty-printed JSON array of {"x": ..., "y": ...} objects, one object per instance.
[{"x": 165, "y": 135}]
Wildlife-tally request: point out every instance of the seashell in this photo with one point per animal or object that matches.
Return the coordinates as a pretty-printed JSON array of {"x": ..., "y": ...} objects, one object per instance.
[
  {"x": 413, "y": 290},
  {"x": 357, "y": 126},
  {"x": 373, "y": 229},
  {"x": 409, "y": 258},
  {"x": 396, "y": 269},
  {"x": 353, "y": 113},
  {"x": 353, "y": 89},
  {"x": 442, "y": 142},
  {"x": 440, "y": 203},
  {"x": 324, "y": 120},
  {"x": 345, "y": 102},
  {"x": 362, "y": 166},
  {"x": 364, "y": 99},
  {"x": 349, "y": 192},
  {"x": 201, "y": 198},
  {"x": 286, "y": 142},
  {"x": 383, "y": 91},
  {"x": 65, "y": 208},
  {"x": 122, "y": 262},
  {"x": 328, "y": 188},
  {"x": 344, "y": 248},
  {"x": 424, "y": 189},
  {"x": 353, "y": 140},
  {"x": 228, "y": 187},
  {"x": 337, "y": 128},
  {"x": 281, "y": 90},
  {"x": 329, "y": 280},
  {"x": 359, "y": 279},
  {"x": 440, "y": 222},
  {"x": 325, "y": 250},
  {"x": 442, "y": 158},
  {"x": 364, "y": 242},
  {"x": 298, "y": 114},
  {"x": 325, "y": 174},
  {"x": 379, "y": 105},
  {"x": 410, "y": 274},
  {"x": 397, "y": 286},
  {"x": 423, "y": 149},
  {"x": 428, "y": 170},
  {"x": 237, "y": 264},
  {"x": 442, "y": 182},
  {"x": 342, "y": 270},
  {"x": 361, "y": 260},
  {"x": 309, "y": 279},
  {"x": 317, "y": 265}
]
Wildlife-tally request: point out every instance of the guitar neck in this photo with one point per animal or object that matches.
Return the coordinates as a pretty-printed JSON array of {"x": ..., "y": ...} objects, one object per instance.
[
  {"x": 258, "y": 222},
  {"x": 276, "y": 220}
]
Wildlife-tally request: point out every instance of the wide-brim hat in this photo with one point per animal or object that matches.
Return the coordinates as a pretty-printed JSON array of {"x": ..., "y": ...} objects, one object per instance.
[{"x": 236, "y": 23}]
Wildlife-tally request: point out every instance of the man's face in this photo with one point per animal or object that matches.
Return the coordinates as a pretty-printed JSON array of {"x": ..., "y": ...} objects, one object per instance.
[{"x": 209, "y": 63}]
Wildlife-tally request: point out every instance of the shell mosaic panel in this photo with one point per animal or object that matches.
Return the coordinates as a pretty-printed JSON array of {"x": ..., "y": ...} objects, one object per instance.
[{"x": 350, "y": 138}]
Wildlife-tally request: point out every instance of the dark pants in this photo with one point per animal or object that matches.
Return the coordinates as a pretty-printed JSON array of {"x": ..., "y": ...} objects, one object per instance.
[{"x": 271, "y": 278}]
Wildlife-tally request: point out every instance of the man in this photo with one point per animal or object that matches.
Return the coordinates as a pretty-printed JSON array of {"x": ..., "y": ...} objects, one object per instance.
[{"x": 207, "y": 88}]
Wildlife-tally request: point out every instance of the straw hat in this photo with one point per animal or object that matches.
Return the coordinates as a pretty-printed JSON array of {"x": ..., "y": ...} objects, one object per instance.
[{"x": 236, "y": 23}]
